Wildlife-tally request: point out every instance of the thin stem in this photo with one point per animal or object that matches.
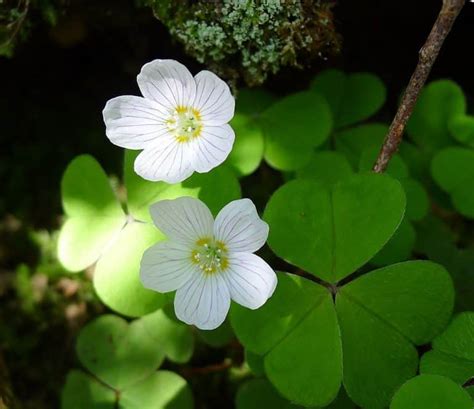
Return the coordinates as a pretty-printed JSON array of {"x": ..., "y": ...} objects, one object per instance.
[{"x": 427, "y": 56}]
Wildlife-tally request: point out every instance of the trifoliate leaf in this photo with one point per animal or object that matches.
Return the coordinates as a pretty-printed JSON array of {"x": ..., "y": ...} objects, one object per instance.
[
  {"x": 297, "y": 332},
  {"x": 334, "y": 232},
  {"x": 94, "y": 215},
  {"x": 382, "y": 314},
  {"x": 117, "y": 353}
]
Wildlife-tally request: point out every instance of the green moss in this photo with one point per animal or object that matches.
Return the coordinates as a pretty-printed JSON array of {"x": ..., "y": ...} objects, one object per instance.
[
  {"x": 15, "y": 21},
  {"x": 249, "y": 38}
]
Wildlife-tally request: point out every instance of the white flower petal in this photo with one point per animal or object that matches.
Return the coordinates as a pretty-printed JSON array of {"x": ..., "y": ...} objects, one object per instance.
[
  {"x": 185, "y": 219},
  {"x": 240, "y": 228},
  {"x": 250, "y": 279},
  {"x": 133, "y": 122},
  {"x": 166, "y": 160},
  {"x": 203, "y": 301},
  {"x": 167, "y": 266},
  {"x": 168, "y": 83},
  {"x": 214, "y": 100},
  {"x": 211, "y": 147}
]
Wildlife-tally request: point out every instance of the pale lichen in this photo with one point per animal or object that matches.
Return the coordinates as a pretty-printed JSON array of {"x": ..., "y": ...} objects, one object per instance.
[{"x": 250, "y": 38}]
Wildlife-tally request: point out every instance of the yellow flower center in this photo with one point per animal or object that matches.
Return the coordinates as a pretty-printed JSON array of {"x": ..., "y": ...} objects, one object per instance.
[
  {"x": 185, "y": 123},
  {"x": 210, "y": 255}
]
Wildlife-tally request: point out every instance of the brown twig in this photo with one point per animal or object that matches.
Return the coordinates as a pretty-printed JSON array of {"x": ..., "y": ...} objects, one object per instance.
[{"x": 428, "y": 54}]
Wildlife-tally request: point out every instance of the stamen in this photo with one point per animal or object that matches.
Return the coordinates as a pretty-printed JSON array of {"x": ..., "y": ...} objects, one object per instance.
[
  {"x": 210, "y": 255},
  {"x": 185, "y": 123}
]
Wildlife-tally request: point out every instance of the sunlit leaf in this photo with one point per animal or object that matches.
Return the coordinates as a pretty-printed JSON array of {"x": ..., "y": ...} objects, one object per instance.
[
  {"x": 174, "y": 338},
  {"x": 94, "y": 215},
  {"x": 247, "y": 152},
  {"x": 161, "y": 390},
  {"x": 117, "y": 273},
  {"x": 117, "y": 353}
]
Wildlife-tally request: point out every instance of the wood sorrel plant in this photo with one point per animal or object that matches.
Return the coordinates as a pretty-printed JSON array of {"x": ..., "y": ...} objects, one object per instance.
[{"x": 371, "y": 276}]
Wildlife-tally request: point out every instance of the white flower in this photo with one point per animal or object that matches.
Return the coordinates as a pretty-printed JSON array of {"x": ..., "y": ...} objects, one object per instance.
[
  {"x": 181, "y": 123},
  {"x": 208, "y": 262}
]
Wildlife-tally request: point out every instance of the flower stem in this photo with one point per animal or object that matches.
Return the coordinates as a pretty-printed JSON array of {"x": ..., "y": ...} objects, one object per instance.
[{"x": 427, "y": 56}]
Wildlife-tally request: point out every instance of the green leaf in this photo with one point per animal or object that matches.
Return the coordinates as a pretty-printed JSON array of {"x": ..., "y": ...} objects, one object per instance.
[
  {"x": 396, "y": 167},
  {"x": 252, "y": 102},
  {"x": 433, "y": 392},
  {"x": 382, "y": 314},
  {"x": 247, "y": 152},
  {"x": 326, "y": 167},
  {"x": 94, "y": 215},
  {"x": 174, "y": 338},
  {"x": 453, "y": 351},
  {"x": 117, "y": 353},
  {"x": 142, "y": 193},
  {"x": 82, "y": 391},
  {"x": 293, "y": 127},
  {"x": 334, "y": 232},
  {"x": 218, "y": 337},
  {"x": 259, "y": 394},
  {"x": 461, "y": 128},
  {"x": 453, "y": 170},
  {"x": 353, "y": 98},
  {"x": 438, "y": 103},
  {"x": 398, "y": 248},
  {"x": 297, "y": 332},
  {"x": 117, "y": 273},
  {"x": 161, "y": 390},
  {"x": 417, "y": 199},
  {"x": 353, "y": 141},
  {"x": 255, "y": 362}
]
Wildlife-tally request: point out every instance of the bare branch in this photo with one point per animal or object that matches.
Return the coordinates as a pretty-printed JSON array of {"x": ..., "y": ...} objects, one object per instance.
[{"x": 428, "y": 54}]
